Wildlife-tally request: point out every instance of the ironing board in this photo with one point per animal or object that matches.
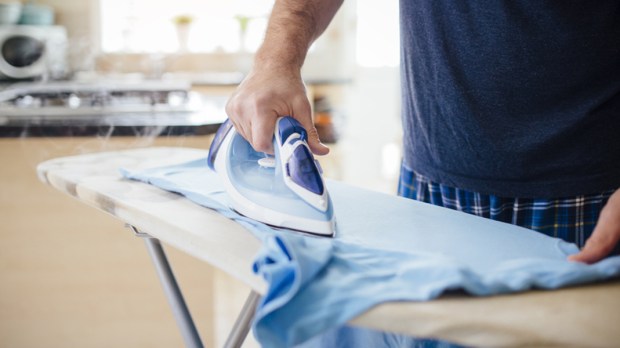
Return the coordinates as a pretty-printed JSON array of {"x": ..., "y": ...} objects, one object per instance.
[{"x": 579, "y": 316}]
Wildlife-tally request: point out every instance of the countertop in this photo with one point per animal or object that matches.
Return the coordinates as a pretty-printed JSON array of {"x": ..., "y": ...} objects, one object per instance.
[{"x": 83, "y": 108}]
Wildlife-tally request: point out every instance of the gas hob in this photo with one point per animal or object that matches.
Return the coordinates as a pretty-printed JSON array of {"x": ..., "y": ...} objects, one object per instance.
[{"x": 69, "y": 106}]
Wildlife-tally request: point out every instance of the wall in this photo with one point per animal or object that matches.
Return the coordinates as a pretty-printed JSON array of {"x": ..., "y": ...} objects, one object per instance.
[
  {"x": 81, "y": 20},
  {"x": 332, "y": 55}
]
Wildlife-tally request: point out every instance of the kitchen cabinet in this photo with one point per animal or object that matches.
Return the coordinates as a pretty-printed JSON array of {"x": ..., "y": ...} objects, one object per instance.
[{"x": 74, "y": 277}]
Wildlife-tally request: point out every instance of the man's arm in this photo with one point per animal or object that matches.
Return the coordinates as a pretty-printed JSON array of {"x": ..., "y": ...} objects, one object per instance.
[
  {"x": 274, "y": 87},
  {"x": 606, "y": 234}
]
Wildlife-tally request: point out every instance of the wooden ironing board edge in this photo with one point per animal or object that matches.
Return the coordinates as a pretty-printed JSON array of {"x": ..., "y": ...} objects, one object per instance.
[{"x": 579, "y": 316}]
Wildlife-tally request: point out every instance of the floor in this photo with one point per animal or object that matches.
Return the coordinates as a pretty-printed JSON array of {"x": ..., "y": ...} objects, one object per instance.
[{"x": 73, "y": 276}]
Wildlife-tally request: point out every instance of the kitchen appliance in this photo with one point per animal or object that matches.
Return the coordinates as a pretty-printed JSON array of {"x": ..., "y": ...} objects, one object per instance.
[
  {"x": 32, "y": 52},
  {"x": 285, "y": 190},
  {"x": 107, "y": 107}
]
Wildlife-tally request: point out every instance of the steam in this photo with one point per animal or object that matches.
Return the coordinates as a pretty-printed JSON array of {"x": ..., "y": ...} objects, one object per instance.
[
  {"x": 65, "y": 131},
  {"x": 36, "y": 148}
]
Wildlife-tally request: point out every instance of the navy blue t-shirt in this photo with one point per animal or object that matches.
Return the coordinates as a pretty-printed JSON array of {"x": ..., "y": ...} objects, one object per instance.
[{"x": 513, "y": 98}]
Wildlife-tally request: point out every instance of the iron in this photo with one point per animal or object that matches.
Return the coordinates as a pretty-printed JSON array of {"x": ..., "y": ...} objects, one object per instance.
[{"x": 283, "y": 190}]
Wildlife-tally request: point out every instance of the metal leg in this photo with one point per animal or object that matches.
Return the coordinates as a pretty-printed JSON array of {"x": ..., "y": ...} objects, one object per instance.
[
  {"x": 242, "y": 325},
  {"x": 172, "y": 291},
  {"x": 181, "y": 313}
]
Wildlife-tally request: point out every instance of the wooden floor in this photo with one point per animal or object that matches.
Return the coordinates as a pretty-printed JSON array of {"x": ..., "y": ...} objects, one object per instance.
[{"x": 72, "y": 276}]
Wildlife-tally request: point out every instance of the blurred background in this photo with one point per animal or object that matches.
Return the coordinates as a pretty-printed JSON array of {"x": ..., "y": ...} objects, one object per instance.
[{"x": 106, "y": 75}]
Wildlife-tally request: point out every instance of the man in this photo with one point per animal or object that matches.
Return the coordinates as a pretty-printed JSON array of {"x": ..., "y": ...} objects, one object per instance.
[{"x": 511, "y": 109}]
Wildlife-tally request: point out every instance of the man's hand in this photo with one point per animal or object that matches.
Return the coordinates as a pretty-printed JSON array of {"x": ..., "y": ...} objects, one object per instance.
[
  {"x": 263, "y": 97},
  {"x": 606, "y": 233},
  {"x": 274, "y": 88}
]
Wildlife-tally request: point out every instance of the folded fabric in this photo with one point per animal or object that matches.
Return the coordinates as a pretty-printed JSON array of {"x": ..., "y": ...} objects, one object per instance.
[{"x": 386, "y": 248}]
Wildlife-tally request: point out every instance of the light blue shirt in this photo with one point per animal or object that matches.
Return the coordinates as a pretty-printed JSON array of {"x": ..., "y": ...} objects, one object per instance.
[{"x": 386, "y": 248}]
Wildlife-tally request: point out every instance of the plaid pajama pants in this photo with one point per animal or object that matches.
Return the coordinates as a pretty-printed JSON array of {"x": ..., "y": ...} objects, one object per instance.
[{"x": 569, "y": 218}]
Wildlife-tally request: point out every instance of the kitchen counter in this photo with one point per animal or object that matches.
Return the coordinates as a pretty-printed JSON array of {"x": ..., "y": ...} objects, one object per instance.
[
  {"x": 180, "y": 103},
  {"x": 108, "y": 107},
  {"x": 110, "y": 125}
]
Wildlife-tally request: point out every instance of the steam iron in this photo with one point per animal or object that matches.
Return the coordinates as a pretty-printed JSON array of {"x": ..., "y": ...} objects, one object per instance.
[{"x": 285, "y": 190}]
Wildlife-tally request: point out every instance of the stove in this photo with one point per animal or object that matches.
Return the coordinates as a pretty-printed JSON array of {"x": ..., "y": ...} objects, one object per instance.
[{"x": 107, "y": 107}]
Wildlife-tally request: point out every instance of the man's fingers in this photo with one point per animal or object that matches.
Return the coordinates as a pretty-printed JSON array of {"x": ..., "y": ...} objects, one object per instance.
[
  {"x": 303, "y": 114},
  {"x": 262, "y": 133},
  {"x": 235, "y": 115},
  {"x": 242, "y": 129},
  {"x": 253, "y": 109},
  {"x": 597, "y": 247},
  {"x": 606, "y": 233},
  {"x": 315, "y": 144}
]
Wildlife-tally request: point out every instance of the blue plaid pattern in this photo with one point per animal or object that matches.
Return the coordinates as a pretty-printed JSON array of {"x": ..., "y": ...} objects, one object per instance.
[{"x": 569, "y": 218}]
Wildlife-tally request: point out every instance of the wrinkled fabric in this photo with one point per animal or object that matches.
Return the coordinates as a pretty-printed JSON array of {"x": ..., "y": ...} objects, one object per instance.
[
  {"x": 386, "y": 248},
  {"x": 348, "y": 337}
]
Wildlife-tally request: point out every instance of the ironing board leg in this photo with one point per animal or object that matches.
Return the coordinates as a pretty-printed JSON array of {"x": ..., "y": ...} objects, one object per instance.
[
  {"x": 242, "y": 325},
  {"x": 172, "y": 290}
]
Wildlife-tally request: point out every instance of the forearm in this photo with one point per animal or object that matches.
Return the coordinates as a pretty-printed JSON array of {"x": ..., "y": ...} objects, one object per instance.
[
  {"x": 293, "y": 27},
  {"x": 274, "y": 86}
]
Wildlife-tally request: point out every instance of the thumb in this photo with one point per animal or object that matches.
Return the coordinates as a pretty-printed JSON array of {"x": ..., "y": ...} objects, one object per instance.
[
  {"x": 303, "y": 114},
  {"x": 315, "y": 144}
]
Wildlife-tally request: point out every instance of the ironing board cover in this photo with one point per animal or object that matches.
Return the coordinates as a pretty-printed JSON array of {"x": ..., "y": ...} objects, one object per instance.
[{"x": 386, "y": 248}]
